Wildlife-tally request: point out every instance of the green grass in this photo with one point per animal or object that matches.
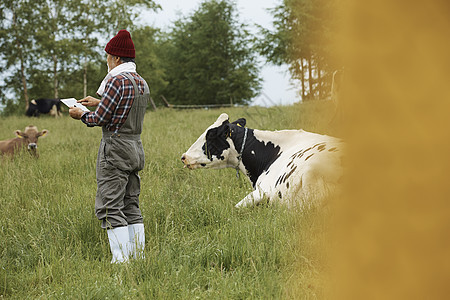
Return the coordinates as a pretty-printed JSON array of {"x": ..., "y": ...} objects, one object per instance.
[{"x": 197, "y": 244}]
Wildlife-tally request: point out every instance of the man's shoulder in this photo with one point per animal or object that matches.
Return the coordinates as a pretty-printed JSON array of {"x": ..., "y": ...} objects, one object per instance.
[
  {"x": 121, "y": 80},
  {"x": 124, "y": 77}
]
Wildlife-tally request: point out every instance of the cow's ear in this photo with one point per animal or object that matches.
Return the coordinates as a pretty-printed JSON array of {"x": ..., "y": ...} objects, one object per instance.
[
  {"x": 222, "y": 118},
  {"x": 43, "y": 133},
  {"x": 19, "y": 134},
  {"x": 240, "y": 122}
]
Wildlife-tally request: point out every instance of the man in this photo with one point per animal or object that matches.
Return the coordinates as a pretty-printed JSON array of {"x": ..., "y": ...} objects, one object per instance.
[{"x": 124, "y": 96}]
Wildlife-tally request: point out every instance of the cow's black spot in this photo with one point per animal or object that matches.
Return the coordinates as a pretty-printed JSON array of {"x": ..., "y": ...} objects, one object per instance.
[
  {"x": 307, "y": 149},
  {"x": 257, "y": 156},
  {"x": 287, "y": 185},
  {"x": 318, "y": 145},
  {"x": 216, "y": 141},
  {"x": 300, "y": 153},
  {"x": 216, "y": 138},
  {"x": 265, "y": 152},
  {"x": 297, "y": 154},
  {"x": 309, "y": 157},
  {"x": 290, "y": 173},
  {"x": 279, "y": 179},
  {"x": 203, "y": 165}
]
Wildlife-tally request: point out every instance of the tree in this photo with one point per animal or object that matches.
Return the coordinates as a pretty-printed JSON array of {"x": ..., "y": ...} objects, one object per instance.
[
  {"x": 18, "y": 20},
  {"x": 87, "y": 26},
  {"x": 149, "y": 44},
  {"x": 208, "y": 58},
  {"x": 303, "y": 39},
  {"x": 74, "y": 28},
  {"x": 48, "y": 44}
]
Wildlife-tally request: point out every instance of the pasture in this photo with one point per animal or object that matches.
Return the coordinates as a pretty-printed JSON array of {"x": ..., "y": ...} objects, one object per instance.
[{"x": 197, "y": 244}]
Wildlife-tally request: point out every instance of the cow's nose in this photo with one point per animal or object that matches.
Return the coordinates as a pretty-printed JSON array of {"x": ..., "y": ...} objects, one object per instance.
[
  {"x": 32, "y": 146},
  {"x": 183, "y": 157}
]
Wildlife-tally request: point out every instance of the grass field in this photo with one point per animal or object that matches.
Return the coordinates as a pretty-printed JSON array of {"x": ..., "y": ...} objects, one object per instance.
[{"x": 197, "y": 244}]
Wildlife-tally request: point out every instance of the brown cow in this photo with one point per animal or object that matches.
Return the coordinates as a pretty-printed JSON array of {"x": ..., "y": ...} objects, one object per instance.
[{"x": 27, "y": 139}]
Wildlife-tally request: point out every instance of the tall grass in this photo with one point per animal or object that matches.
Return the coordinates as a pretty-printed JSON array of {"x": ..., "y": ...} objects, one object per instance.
[{"x": 197, "y": 244}]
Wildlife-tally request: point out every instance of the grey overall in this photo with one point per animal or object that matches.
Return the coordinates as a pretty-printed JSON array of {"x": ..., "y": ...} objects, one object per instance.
[{"x": 120, "y": 158}]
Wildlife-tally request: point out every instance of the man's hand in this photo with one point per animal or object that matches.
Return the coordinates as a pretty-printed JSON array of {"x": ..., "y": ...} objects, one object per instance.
[
  {"x": 89, "y": 101},
  {"x": 76, "y": 112}
]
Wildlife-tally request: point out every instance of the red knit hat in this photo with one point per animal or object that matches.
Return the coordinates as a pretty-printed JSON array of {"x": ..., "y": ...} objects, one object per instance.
[{"x": 121, "y": 45}]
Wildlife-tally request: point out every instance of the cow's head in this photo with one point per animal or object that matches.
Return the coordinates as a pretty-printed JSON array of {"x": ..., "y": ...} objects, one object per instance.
[
  {"x": 30, "y": 136},
  {"x": 214, "y": 148}
]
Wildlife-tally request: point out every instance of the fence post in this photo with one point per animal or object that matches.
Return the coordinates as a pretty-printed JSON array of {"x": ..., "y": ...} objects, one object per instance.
[
  {"x": 152, "y": 103},
  {"x": 165, "y": 101}
]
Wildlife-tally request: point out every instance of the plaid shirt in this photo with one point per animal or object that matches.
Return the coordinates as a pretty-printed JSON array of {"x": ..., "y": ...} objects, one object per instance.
[{"x": 115, "y": 104}]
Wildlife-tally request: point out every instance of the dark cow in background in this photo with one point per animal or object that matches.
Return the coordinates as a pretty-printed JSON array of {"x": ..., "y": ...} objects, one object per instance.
[
  {"x": 287, "y": 166},
  {"x": 44, "y": 106},
  {"x": 25, "y": 140}
]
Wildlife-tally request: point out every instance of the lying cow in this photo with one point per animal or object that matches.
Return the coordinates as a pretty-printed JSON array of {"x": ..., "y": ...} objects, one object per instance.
[
  {"x": 289, "y": 166},
  {"x": 24, "y": 140},
  {"x": 44, "y": 106}
]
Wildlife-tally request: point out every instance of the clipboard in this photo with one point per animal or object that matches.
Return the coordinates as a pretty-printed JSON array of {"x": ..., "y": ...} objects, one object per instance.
[{"x": 71, "y": 102}]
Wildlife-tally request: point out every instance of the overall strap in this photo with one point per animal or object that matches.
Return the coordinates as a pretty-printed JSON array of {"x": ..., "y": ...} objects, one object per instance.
[{"x": 136, "y": 90}]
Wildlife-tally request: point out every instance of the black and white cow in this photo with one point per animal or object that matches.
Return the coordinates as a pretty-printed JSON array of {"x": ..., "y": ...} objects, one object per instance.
[
  {"x": 44, "y": 106},
  {"x": 288, "y": 166}
]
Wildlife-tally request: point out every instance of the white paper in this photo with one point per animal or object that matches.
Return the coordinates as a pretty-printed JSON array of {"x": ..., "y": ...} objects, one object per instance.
[{"x": 71, "y": 102}]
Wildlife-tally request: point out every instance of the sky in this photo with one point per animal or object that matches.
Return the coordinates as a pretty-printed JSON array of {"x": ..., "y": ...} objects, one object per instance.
[{"x": 276, "y": 86}]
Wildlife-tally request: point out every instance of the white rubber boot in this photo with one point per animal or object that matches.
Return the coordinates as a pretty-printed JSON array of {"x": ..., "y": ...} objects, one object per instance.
[
  {"x": 118, "y": 241},
  {"x": 137, "y": 240}
]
